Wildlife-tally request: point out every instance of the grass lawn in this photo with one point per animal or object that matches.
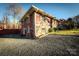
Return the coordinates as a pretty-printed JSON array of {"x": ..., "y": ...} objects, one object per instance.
[{"x": 66, "y": 32}]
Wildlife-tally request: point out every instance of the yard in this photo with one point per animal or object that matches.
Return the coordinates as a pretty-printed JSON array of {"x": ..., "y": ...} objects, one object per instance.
[
  {"x": 50, "y": 45},
  {"x": 66, "y": 32}
]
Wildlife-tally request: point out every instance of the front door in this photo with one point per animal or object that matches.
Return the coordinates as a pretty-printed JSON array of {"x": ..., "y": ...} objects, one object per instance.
[{"x": 24, "y": 31}]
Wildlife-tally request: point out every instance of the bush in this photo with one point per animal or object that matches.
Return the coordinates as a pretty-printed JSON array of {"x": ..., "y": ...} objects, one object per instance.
[
  {"x": 55, "y": 29},
  {"x": 50, "y": 30},
  {"x": 63, "y": 27}
]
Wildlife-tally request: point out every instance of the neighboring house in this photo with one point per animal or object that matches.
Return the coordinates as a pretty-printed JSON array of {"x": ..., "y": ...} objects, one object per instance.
[
  {"x": 76, "y": 21},
  {"x": 76, "y": 18},
  {"x": 36, "y": 22}
]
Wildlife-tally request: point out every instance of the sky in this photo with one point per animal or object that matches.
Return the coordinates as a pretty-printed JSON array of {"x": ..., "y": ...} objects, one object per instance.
[{"x": 58, "y": 10}]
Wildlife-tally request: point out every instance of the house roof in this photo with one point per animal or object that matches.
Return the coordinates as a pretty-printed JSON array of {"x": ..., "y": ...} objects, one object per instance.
[{"x": 35, "y": 9}]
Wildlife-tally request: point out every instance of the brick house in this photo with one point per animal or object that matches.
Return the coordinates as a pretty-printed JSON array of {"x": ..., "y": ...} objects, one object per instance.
[{"x": 36, "y": 22}]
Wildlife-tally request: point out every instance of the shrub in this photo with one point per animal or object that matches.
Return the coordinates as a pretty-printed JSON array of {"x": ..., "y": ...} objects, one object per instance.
[
  {"x": 55, "y": 29},
  {"x": 50, "y": 30},
  {"x": 63, "y": 27}
]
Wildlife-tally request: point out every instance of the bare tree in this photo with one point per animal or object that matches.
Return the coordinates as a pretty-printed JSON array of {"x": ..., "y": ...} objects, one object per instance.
[
  {"x": 5, "y": 22},
  {"x": 14, "y": 10}
]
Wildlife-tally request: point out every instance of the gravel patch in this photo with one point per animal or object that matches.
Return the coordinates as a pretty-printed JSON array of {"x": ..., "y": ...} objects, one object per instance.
[{"x": 51, "y": 45}]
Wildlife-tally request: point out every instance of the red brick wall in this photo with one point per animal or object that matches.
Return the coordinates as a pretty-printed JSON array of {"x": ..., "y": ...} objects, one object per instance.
[
  {"x": 28, "y": 23},
  {"x": 37, "y": 18}
]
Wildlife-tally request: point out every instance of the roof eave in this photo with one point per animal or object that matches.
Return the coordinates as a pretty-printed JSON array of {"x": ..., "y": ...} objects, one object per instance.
[{"x": 35, "y": 9}]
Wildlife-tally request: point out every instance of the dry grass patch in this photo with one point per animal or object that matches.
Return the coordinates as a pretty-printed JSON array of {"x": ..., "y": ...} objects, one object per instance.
[{"x": 66, "y": 32}]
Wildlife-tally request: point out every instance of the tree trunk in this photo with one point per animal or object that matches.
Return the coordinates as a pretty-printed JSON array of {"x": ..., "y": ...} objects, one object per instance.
[{"x": 14, "y": 23}]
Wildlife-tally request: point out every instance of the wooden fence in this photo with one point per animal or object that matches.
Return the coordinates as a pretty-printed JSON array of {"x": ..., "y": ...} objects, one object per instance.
[{"x": 9, "y": 31}]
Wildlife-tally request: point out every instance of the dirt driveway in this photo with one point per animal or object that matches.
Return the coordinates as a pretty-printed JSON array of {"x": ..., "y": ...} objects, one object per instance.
[{"x": 50, "y": 45}]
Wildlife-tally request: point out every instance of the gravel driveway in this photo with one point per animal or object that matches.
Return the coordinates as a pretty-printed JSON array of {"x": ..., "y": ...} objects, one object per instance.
[{"x": 50, "y": 45}]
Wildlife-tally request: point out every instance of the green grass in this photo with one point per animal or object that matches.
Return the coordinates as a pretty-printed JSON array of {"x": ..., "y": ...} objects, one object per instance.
[{"x": 66, "y": 32}]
